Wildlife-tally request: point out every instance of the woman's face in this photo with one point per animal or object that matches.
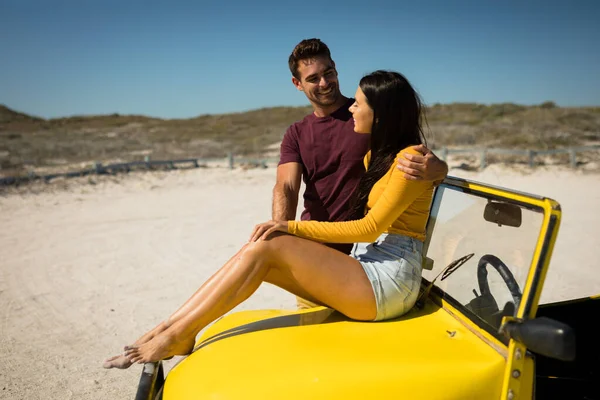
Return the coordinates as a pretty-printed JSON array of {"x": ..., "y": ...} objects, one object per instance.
[{"x": 362, "y": 113}]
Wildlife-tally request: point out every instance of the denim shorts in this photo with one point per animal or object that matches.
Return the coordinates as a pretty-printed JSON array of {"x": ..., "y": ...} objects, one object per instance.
[{"x": 393, "y": 265}]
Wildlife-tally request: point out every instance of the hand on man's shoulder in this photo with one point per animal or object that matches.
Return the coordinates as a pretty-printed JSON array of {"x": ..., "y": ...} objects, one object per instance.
[{"x": 420, "y": 163}]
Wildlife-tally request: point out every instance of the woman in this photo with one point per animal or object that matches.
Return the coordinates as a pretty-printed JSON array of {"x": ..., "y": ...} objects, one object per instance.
[{"x": 382, "y": 277}]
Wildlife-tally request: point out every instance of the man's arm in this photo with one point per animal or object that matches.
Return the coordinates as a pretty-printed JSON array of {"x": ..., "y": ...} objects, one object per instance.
[
  {"x": 426, "y": 166},
  {"x": 286, "y": 191}
]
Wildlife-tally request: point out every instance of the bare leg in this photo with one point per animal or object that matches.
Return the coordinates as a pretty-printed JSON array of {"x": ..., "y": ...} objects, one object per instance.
[
  {"x": 122, "y": 362},
  {"x": 194, "y": 300},
  {"x": 303, "y": 267}
]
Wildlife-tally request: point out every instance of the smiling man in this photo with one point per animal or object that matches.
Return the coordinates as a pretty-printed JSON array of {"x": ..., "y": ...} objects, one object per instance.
[{"x": 324, "y": 151}]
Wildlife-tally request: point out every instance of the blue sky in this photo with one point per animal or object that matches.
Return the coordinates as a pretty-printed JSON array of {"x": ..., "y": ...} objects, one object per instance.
[{"x": 177, "y": 59}]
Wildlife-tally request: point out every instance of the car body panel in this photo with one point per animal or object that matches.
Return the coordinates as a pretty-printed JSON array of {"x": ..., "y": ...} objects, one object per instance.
[{"x": 321, "y": 354}]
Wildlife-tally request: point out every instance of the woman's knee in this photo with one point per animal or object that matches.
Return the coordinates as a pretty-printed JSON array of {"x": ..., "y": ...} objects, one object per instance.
[
  {"x": 258, "y": 251},
  {"x": 268, "y": 246}
]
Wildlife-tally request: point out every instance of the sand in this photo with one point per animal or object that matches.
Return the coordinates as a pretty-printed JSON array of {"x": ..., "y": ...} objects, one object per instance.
[{"x": 89, "y": 264}]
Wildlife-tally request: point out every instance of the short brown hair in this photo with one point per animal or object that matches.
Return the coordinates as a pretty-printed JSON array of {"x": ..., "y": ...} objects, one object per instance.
[{"x": 308, "y": 48}]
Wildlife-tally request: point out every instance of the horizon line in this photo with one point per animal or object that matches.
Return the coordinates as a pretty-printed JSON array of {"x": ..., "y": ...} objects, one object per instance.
[{"x": 434, "y": 104}]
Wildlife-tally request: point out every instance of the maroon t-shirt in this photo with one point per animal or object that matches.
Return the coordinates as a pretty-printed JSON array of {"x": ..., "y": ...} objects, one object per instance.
[{"x": 331, "y": 154}]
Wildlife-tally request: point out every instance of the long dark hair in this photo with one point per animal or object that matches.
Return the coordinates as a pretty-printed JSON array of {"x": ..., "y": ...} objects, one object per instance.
[{"x": 397, "y": 116}]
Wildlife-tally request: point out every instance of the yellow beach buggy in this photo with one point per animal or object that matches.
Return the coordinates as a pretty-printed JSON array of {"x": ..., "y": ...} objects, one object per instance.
[{"x": 476, "y": 331}]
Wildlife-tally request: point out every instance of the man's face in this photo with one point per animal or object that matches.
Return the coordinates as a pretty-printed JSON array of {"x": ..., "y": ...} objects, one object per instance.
[{"x": 318, "y": 80}]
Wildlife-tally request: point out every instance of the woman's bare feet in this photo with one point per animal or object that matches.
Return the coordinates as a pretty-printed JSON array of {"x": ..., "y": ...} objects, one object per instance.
[
  {"x": 121, "y": 361},
  {"x": 161, "y": 347}
]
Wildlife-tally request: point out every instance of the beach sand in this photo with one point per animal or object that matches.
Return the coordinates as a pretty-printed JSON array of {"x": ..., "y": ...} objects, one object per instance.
[{"x": 89, "y": 264}]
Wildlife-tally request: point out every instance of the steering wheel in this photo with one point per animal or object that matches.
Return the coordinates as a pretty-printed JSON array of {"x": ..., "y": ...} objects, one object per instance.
[{"x": 504, "y": 271}]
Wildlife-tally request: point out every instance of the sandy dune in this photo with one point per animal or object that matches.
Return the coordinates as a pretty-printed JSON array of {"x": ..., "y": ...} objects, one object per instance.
[{"x": 86, "y": 268}]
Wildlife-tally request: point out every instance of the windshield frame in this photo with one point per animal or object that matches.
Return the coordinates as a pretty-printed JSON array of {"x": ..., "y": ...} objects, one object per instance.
[{"x": 531, "y": 291}]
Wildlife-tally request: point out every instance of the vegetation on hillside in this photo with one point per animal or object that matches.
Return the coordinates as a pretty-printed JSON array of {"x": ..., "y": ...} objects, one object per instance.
[{"x": 28, "y": 142}]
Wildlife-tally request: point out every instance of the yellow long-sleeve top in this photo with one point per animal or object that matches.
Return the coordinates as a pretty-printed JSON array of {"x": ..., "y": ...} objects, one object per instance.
[{"x": 395, "y": 205}]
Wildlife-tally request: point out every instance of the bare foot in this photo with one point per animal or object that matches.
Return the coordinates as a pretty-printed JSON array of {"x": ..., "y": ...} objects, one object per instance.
[
  {"x": 160, "y": 347},
  {"x": 121, "y": 361}
]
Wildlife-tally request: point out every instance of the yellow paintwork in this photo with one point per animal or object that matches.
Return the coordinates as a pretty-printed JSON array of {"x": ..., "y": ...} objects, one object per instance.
[
  {"x": 433, "y": 353},
  {"x": 427, "y": 354},
  {"x": 520, "y": 370}
]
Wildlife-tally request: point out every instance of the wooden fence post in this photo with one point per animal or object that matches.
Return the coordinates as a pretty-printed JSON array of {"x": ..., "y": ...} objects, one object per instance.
[
  {"x": 482, "y": 158},
  {"x": 531, "y": 154},
  {"x": 573, "y": 157},
  {"x": 444, "y": 153}
]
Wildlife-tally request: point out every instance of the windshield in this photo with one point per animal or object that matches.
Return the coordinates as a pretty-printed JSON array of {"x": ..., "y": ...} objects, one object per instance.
[{"x": 490, "y": 282}]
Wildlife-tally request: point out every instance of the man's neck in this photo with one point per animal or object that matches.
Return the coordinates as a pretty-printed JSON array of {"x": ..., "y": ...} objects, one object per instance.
[{"x": 326, "y": 111}]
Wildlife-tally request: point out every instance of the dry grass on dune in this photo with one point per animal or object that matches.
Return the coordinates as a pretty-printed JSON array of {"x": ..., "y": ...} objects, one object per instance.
[{"x": 29, "y": 143}]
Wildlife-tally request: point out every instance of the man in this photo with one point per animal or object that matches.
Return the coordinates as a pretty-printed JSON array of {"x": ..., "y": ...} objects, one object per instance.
[{"x": 324, "y": 150}]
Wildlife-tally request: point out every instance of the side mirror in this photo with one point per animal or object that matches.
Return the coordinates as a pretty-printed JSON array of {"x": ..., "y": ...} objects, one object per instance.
[
  {"x": 503, "y": 214},
  {"x": 543, "y": 336}
]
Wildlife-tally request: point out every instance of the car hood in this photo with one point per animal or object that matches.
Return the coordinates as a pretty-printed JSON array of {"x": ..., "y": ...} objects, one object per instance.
[{"x": 318, "y": 353}]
